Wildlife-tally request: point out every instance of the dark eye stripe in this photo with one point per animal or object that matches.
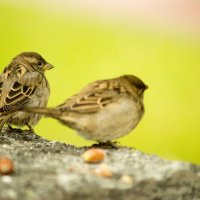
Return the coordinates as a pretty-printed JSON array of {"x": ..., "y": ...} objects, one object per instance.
[{"x": 39, "y": 63}]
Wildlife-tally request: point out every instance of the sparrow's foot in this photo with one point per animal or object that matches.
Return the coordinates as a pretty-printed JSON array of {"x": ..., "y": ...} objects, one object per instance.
[
  {"x": 11, "y": 129},
  {"x": 107, "y": 145}
]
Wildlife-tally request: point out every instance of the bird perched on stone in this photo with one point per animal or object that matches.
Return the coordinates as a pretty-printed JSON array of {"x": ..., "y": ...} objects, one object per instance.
[
  {"x": 22, "y": 84},
  {"x": 104, "y": 110}
]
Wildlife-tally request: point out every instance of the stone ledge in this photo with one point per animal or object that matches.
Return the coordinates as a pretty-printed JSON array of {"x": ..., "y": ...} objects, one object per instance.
[{"x": 49, "y": 170}]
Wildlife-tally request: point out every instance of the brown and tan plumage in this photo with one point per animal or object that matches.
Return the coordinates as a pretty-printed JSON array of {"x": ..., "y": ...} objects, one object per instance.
[
  {"x": 104, "y": 110},
  {"x": 22, "y": 84}
]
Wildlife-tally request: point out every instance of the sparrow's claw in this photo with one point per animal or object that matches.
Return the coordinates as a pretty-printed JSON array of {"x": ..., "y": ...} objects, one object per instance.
[
  {"x": 107, "y": 145},
  {"x": 30, "y": 128}
]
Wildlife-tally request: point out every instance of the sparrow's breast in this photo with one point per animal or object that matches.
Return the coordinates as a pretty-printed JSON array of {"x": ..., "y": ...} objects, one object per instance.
[{"x": 112, "y": 122}]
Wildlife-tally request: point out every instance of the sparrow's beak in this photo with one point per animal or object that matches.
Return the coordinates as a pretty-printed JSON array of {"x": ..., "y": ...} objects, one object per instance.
[{"x": 48, "y": 66}]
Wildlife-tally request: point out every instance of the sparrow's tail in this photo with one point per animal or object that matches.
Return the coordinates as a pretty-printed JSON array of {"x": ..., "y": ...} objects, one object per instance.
[{"x": 49, "y": 112}]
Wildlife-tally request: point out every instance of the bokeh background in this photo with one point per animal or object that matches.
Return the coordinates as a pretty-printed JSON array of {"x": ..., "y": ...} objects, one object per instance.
[{"x": 159, "y": 41}]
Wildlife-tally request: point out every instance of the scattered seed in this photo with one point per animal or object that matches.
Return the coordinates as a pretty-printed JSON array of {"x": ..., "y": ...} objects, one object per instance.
[
  {"x": 103, "y": 171},
  {"x": 126, "y": 179},
  {"x": 6, "y": 166},
  {"x": 94, "y": 155}
]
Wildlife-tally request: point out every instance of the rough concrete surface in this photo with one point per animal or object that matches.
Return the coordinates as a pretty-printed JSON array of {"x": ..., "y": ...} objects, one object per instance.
[{"x": 49, "y": 170}]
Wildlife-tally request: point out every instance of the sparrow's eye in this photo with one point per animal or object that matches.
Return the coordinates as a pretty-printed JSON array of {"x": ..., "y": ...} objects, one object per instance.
[{"x": 39, "y": 64}]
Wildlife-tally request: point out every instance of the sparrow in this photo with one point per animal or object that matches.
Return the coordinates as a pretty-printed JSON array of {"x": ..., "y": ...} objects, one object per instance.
[
  {"x": 23, "y": 83},
  {"x": 104, "y": 110}
]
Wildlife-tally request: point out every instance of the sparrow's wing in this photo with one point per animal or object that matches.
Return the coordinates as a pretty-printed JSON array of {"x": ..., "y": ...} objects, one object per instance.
[
  {"x": 17, "y": 88},
  {"x": 92, "y": 98}
]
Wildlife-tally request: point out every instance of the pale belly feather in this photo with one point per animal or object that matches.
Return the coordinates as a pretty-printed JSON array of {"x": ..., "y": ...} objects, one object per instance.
[{"x": 115, "y": 121}]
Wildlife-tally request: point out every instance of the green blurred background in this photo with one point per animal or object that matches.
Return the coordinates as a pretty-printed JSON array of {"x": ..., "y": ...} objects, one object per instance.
[{"x": 85, "y": 44}]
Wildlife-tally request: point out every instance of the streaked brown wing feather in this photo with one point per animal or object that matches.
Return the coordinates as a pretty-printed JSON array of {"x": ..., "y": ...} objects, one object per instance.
[
  {"x": 17, "y": 97},
  {"x": 20, "y": 91},
  {"x": 92, "y": 98}
]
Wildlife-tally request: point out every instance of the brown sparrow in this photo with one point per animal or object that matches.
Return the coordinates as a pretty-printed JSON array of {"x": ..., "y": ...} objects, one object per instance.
[
  {"x": 104, "y": 110},
  {"x": 22, "y": 84}
]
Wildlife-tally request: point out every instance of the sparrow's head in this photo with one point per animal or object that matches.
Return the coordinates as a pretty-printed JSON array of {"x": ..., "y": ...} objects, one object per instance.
[
  {"x": 34, "y": 60},
  {"x": 136, "y": 83}
]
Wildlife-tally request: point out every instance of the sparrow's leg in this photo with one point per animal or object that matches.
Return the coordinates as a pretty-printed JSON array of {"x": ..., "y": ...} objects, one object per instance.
[
  {"x": 10, "y": 127},
  {"x": 30, "y": 128},
  {"x": 111, "y": 145}
]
